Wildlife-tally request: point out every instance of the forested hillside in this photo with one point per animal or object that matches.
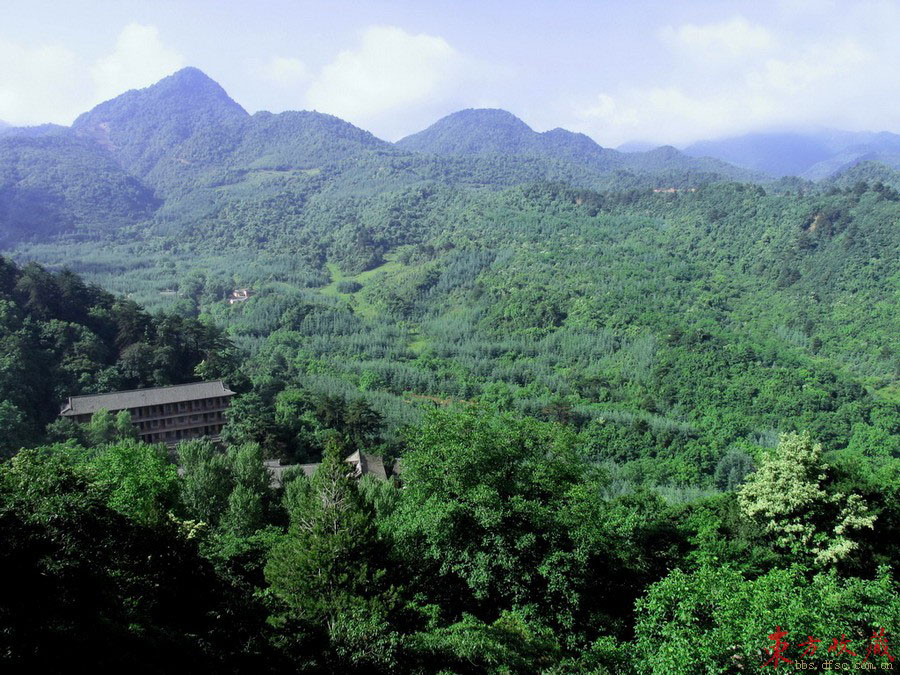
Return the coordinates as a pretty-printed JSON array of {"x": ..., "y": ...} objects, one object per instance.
[{"x": 644, "y": 407}]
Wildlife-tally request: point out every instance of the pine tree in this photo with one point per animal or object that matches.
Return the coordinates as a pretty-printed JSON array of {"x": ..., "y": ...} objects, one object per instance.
[{"x": 328, "y": 572}]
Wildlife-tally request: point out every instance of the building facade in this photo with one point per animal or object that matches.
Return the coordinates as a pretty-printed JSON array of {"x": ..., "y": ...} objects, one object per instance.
[{"x": 162, "y": 414}]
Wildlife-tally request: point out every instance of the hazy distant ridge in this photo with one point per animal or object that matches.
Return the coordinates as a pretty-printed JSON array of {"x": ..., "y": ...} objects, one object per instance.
[{"x": 814, "y": 155}]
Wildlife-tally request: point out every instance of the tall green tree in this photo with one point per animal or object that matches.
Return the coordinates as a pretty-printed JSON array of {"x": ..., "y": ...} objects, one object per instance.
[
  {"x": 248, "y": 501},
  {"x": 328, "y": 574},
  {"x": 483, "y": 499},
  {"x": 15, "y": 428},
  {"x": 139, "y": 480},
  {"x": 363, "y": 424},
  {"x": 124, "y": 427},
  {"x": 94, "y": 585},
  {"x": 207, "y": 482},
  {"x": 102, "y": 427},
  {"x": 717, "y": 621}
]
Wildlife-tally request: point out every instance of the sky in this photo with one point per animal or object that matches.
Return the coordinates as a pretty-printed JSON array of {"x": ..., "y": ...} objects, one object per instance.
[{"x": 617, "y": 70}]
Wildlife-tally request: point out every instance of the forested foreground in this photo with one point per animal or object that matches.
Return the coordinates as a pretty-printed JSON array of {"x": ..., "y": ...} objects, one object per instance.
[{"x": 506, "y": 550}]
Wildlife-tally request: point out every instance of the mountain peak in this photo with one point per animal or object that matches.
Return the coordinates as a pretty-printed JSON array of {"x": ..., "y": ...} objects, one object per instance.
[
  {"x": 484, "y": 116},
  {"x": 186, "y": 90},
  {"x": 189, "y": 73},
  {"x": 192, "y": 82},
  {"x": 493, "y": 131},
  {"x": 665, "y": 151},
  {"x": 142, "y": 126},
  {"x": 473, "y": 131}
]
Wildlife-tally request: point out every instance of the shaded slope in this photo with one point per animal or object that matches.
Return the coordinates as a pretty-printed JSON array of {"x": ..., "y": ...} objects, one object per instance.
[{"x": 58, "y": 183}]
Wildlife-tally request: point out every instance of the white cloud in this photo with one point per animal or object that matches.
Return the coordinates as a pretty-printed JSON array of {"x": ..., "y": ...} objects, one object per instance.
[
  {"x": 279, "y": 83},
  {"x": 390, "y": 71},
  {"x": 736, "y": 37},
  {"x": 140, "y": 58},
  {"x": 606, "y": 110},
  {"x": 734, "y": 77},
  {"x": 820, "y": 64},
  {"x": 50, "y": 83},
  {"x": 284, "y": 72},
  {"x": 41, "y": 84}
]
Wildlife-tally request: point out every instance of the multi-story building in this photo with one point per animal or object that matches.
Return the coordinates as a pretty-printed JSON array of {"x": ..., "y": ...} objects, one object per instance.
[{"x": 162, "y": 414}]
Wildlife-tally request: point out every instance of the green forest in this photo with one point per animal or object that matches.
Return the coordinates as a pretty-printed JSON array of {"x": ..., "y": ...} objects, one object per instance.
[{"x": 643, "y": 410}]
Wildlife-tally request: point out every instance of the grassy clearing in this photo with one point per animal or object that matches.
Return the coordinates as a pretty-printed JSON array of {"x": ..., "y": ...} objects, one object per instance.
[
  {"x": 389, "y": 266},
  {"x": 358, "y": 301}
]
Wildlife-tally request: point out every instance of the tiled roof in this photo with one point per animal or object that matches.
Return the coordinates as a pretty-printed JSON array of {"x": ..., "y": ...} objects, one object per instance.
[
  {"x": 308, "y": 469},
  {"x": 276, "y": 470},
  {"x": 367, "y": 464},
  {"x": 362, "y": 463},
  {"x": 136, "y": 398}
]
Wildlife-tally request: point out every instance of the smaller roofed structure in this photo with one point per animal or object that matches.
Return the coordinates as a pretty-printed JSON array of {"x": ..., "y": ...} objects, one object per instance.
[
  {"x": 362, "y": 464},
  {"x": 239, "y": 295}
]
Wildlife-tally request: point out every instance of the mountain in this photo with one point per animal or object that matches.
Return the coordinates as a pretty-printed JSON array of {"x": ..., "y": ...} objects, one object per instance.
[
  {"x": 669, "y": 159},
  {"x": 870, "y": 172},
  {"x": 181, "y": 125},
  {"x": 774, "y": 154},
  {"x": 498, "y": 133},
  {"x": 35, "y": 131},
  {"x": 474, "y": 132},
  {"x": 183, "y": 151},
  {"x": 490, "y": 131},
  {"x": 841, "y": 162},
  {"x": 813, "y": 155}
]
